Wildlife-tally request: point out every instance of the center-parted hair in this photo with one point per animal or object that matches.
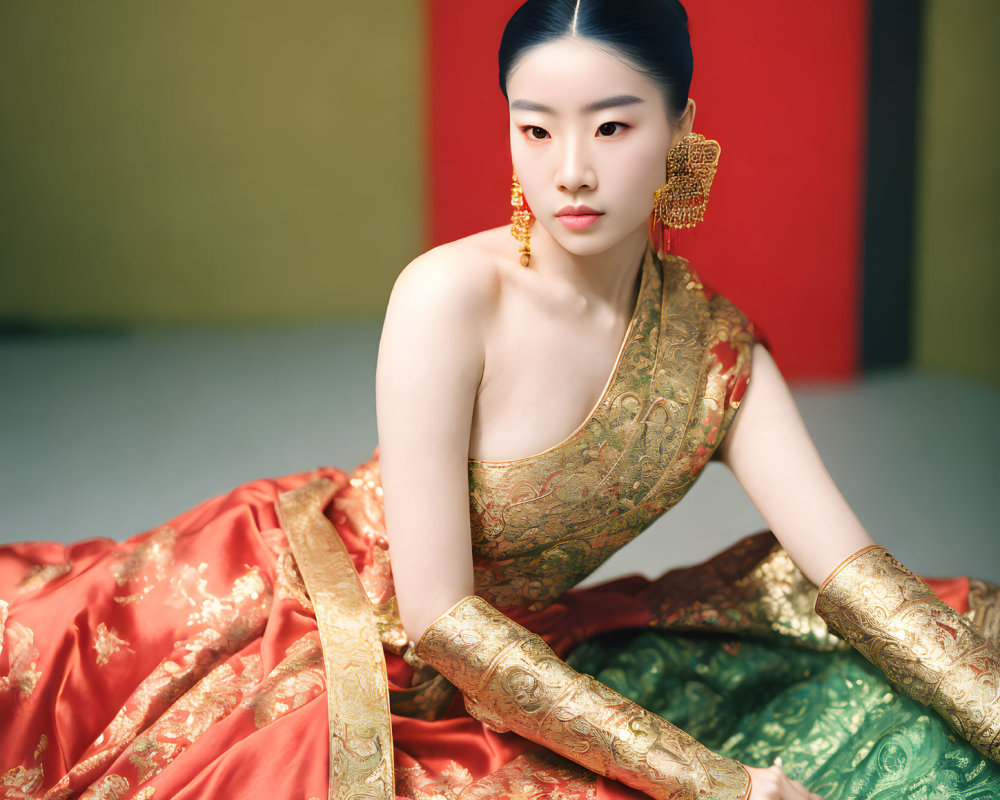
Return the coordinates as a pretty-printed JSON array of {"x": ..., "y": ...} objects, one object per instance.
[{"x": 652, "y": 35}]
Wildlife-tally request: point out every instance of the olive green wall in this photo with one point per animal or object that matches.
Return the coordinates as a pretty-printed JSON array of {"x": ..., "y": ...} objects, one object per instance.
[
  {"x": 207, "y": 162},
  {"x": 958, "y": 204}
]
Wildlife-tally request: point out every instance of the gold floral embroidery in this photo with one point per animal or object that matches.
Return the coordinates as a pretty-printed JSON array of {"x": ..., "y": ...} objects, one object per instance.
[
  {"x": 107, "y": 642},
  {"x": 211, "y": 612},
  {"x": 41, "y": 574},
  {"x": 288, "y": 581},
  {"x": 188, "y": 586},
  {"x": 61, "y": 791},
  {"x": 219, "y": 627},
  {"x": 22, "y": 672},
  {"x": 145, "y": 566},
  {"x": 359, "y": 505},
  {"x": 24, "y": 783},
  {"x": 146, "y": 794},
  {"x": 541, "y": 524},
  {"x": 294, "y": 682},
  {"x": 538, "y": 773},
  {"x": 415, "y": 782},
  {"x": 112, "y": 787},
  {"x": 213, "y": 698},
  {"x": 752, "y": 588}
]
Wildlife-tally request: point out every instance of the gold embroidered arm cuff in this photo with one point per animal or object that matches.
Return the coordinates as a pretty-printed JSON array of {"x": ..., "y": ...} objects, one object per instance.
[
  {"x": 924, "y": 647},
  {"x": 513, "y": 681}
]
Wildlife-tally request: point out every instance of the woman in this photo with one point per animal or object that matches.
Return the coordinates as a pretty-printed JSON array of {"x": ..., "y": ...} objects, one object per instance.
[{"x": 159, "y": 669}]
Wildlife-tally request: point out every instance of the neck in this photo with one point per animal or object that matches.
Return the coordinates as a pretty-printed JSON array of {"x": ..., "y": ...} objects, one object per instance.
[{"x": 608, "y": 278}]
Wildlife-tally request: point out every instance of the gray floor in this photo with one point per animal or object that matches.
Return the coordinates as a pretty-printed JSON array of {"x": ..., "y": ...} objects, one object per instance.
[{"x": 108, "y": 435}]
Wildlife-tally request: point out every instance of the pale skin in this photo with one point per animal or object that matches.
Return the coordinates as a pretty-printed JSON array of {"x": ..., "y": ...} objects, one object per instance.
[{"x": 482, "y": 358}]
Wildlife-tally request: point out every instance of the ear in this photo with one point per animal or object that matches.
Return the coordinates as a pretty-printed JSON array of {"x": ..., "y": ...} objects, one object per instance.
[{"x": 685, "y": 123}]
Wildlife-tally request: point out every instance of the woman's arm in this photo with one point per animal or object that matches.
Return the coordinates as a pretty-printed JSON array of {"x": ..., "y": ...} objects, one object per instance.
[
  {"x": 430, "y": 363},
  {"x": 773, "y": 457},
  {"x": 925, "y": 647}
]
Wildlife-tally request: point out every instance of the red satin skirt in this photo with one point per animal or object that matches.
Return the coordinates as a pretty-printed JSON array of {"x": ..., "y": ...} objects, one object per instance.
[{"x": 186, "y": 662}]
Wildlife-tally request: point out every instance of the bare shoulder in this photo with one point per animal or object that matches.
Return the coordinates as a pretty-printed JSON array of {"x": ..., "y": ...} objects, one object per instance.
[
  {"x": 437, "y": 324},
  {"x": 458, "y": 281}
]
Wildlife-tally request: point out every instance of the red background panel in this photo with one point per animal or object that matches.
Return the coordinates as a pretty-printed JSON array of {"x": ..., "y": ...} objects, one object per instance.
[{"x": 781, "y": 84}]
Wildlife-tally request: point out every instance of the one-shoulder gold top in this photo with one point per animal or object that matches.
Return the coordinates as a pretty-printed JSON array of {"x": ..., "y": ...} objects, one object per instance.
[{"x": 541, "y": 524}]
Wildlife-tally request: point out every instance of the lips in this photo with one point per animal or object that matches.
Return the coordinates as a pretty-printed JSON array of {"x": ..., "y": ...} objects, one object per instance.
[
  {"x": 577, "y": 211},
  {"x": 578, "y": 217}
]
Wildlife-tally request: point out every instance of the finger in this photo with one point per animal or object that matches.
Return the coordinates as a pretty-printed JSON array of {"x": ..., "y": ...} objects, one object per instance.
[
  {"x": 805, "y": 791},
  {"x": 799, "y": 789}
]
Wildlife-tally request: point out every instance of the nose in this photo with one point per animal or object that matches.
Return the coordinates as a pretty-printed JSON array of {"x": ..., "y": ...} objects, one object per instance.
[{"x": 576, "y": 168}]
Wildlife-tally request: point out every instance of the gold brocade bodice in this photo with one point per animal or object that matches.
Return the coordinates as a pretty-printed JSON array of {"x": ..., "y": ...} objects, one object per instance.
[{"x": 541, "y": 524}]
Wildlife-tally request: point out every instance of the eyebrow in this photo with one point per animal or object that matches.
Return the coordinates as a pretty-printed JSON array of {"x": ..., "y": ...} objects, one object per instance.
[{"x": 598, "y": 105}]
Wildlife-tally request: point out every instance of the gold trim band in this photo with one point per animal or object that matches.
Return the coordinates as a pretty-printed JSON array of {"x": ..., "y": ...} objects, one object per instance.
[
  {"x": 356, "y": 682},
  {"x": 845, "y": 562}
]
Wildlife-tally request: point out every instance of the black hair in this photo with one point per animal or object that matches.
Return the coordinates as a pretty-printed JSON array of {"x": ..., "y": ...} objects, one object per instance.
[{"x": 651, "y": 34}]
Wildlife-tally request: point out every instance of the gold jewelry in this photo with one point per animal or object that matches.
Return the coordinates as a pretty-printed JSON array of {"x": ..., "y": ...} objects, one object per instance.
[
  {"x": 513, "y": 681},
  {"x": 691, "y": 167},
  {"x": 521, "y": 221},
  {"x": 924, "y": 646}
]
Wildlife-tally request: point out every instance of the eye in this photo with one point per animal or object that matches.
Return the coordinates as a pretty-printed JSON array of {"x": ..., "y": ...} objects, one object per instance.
[
  {"x": 611, "y": 128},
  {"x": 534, "y": 132}
]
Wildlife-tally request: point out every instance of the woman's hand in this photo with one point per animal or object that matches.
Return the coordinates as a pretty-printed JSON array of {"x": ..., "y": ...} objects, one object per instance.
[{"x": 773, "y": 784}]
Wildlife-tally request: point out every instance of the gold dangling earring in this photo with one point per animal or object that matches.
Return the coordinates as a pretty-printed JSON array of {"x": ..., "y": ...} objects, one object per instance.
[
  {"x": 521, "y": 221},
  {"x": 691, "y": 167}
]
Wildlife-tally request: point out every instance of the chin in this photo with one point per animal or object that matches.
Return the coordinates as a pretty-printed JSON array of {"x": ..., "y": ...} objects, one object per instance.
[
  {"x": 596, "y": 243},
  {"x": 580, "y": 243},
  {"x": 593, "y": 247}
]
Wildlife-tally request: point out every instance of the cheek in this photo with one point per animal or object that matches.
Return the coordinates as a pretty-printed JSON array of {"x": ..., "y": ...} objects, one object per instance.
[
  {"x": 529, "y": 166},
  {"x": 649, "y": 168},
  {"x": 635, "y": 180}
]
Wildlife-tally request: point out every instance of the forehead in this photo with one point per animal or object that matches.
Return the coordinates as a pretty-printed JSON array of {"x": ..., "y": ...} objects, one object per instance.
[{"x": 575, "y": 71}]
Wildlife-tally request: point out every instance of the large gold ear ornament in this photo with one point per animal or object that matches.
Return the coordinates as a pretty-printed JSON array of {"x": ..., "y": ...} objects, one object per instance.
[
  {"x": 691, "y": 166},
  {"x": 521, "y": 221}
]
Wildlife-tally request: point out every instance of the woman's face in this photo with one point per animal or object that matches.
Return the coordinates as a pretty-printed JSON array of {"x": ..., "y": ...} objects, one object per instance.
[{"x": 589, "y": 138}]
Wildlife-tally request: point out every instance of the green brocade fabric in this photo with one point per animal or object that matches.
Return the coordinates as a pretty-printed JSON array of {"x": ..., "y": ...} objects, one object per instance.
[{"x": 832, "y": 718}]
